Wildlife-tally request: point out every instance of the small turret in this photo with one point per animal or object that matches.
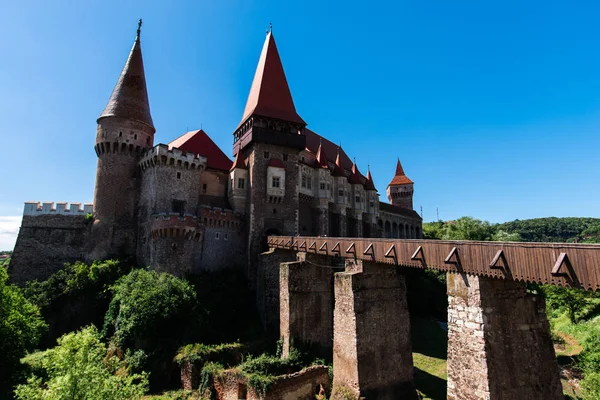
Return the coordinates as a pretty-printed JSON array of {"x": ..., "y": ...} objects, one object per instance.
[
  {"x": 400, "y": 190},
  {"x": 238, "y": 184},
  {"x": 125, "y": 130}
]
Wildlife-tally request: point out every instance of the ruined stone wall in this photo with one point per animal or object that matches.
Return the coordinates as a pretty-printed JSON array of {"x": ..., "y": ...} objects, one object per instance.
[
  {"x": 499, "y": 344},
  {"x": 45, "y": 242},
  {"x": 306, "y": 305},
  {"x": 232, "y": 385},
  {"x": 372, "y": 354}
]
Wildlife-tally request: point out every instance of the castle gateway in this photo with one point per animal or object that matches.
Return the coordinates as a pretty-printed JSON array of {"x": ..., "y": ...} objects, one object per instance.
[{"x": 184, "y": 206}]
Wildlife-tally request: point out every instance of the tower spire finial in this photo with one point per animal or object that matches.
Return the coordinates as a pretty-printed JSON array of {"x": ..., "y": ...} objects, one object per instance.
[
  {"x": 139, "y": 29},
  {"x": 270, "y": 27}
]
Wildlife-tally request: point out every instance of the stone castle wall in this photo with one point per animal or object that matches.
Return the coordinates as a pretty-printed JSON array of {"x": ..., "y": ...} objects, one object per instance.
[{"x": 49, "y": 237}]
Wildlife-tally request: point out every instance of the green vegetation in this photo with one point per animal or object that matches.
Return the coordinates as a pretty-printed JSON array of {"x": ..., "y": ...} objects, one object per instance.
[
  {"x": 21, "y": 328},
  {"x": 75, "y": 296},
  {"x": 79, "y": 368},
  {"x": 429, "y": 342},
  {"x": 555, "y": 229},
  {"x": 229, "y": 353}
]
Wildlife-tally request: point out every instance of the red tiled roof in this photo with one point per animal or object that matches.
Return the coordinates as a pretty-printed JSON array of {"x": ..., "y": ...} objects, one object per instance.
[
  {"x": 321, "y": 160},
  {"x": 198, "y": 142},
  {"x": 238, "y": 162},
  {"x": 369, "y": 184},
  {"x": 270, "y": 94},
  {"x": 337, "y": 169},
  {"x": 277, "y": 163},
  {"x": 400, "y": 178},
  {"x": 354, "y": 177},
  {"x": 313, "y": 140}
]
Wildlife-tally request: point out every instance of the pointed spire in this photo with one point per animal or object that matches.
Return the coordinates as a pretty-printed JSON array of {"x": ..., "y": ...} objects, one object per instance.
[
  {"x": 400, "y": 178},
  {"x": 270, "y": 94},
  {"x": 129, "y": 98},
  {"x": 338, "y": 170},
  {"x": 369, "y": 184},
  {"x": 321, "y": 156},
  {"x": 354, "y": 177},
  {"x": 238, "y": 162}
]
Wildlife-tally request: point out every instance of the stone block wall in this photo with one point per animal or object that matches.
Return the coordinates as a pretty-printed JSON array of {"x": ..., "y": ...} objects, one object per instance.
[
  {"x": 45, "y": 243},
  {"x": 306, "y": 306},
  {"x": 372, "y": 354},
  {"x": 267, "y": 288},
  {"x": 306, "y": 384},
  {"x": 499, "y": 344}
]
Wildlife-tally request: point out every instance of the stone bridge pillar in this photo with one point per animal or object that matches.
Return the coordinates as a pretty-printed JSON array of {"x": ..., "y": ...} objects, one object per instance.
[
  {"x": 267, "y": 287},
  {"x": 306, "y": 304},
  {"x": 499, "y": 344},
  {"x": 372, "y": 354}
]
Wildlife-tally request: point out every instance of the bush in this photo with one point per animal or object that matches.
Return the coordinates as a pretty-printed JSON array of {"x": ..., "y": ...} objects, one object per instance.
[
  {"x": 156, "y": 313},
  {"x": 78, "y": 368},
  {"x": 21, "y": 328},
  {"x": 226, "y": 353},
  {"x": 75, "y": 296}
]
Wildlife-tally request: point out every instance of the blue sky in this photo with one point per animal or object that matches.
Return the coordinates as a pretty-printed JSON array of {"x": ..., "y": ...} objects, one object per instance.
[{"x": 493, "y": 107}]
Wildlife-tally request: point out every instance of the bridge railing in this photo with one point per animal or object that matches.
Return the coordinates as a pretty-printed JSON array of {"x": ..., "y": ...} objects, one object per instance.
[{"x": 560, "y": 264}]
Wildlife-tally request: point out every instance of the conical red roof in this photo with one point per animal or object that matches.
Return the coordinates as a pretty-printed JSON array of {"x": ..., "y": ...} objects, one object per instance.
[
  {"x": 354, "y": 177},
  {"x": 238, "y": 162},
  {"x": 270, "y": 94},
  {"x": 400, "y": 178},
  {"x": 321, "y": 160},
  {"x": 369, "y": 184},
  {"x": 338, "y": 170},
  {"x": 129, "y": 98}
]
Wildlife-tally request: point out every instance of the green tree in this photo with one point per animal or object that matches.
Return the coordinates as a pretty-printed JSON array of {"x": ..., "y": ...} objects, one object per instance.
[
  {"x": 467, "y": 228},
  {"x": 156, "y": 313},
  {"x": 571, "y": 300},
  {"x": 79, "y": 368},
  {"x": 20, "y": 329}
]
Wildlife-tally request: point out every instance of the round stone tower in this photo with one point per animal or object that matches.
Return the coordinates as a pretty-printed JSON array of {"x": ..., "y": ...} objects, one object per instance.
[
  {"x": 400, "y": 190},
  {"x": 125, "y": 131}
]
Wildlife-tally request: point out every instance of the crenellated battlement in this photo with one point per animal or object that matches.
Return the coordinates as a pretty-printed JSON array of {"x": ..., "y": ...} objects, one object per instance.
[
  {"x": 35, "y": 208},
  {"x": 214, "y": 217},
  {"x": 161, "y": 155},
  {"x": 175, "y": 225}
]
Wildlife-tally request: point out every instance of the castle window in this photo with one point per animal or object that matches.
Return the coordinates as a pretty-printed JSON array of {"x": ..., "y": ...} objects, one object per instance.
[
  {"x": 309, "y": 183},
  {"x": 217, "y": 236},
  {"x": 135, "y": 137},
  {"x": 120, "y": 134},
  {"x": 302, "y": 158},
  {"x": 341, "y": 193},
  {"x": 178, "y": 175},
  {"x": 372, "y": 204},
  {"x": 148, "y": 141},
  {"x": 204, "y": 188},
  {"x": 178, "y": 206},
  {"x": 274, "y": 211},
  {"x": 104, "y": 133},
  {"x": 241, "y": 183},
  {"x": 322, "y": 186},
  {"x": 285, "y": 157},
  {"x": 304, "y": 181},
  {"x": 226, "y": 236},
  {"x": 275, "y": 182},
  {"x": 266, "y": 154},
  {"x": 357, "y": 199}
]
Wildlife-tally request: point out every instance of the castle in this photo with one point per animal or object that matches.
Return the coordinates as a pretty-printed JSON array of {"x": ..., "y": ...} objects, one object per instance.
[{"x": 185, "y": 206}]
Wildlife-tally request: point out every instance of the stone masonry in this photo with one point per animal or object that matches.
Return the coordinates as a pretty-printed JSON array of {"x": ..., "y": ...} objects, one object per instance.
[
  {"x": 372, "y": 354},
  {"x": 306, "y": 305},
  {"x": 499, "y": 344}
]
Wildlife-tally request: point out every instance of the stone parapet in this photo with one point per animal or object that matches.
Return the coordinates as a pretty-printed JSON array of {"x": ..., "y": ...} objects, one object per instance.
[
  {"x": 35, "y": 208},
  {"x": 161, "y": 155},
  {"x": 175, "y": 226}
]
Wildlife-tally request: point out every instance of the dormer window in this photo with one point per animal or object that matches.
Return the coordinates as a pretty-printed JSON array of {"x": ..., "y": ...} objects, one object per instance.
[{"x": 275, "y": 182}]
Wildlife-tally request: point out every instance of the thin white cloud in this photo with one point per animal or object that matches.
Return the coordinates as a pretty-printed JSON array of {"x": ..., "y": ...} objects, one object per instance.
[{"x": 9, "y": 228}]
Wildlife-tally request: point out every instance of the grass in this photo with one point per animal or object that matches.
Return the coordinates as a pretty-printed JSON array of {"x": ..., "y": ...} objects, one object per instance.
[{"x": 429, "y": 343}]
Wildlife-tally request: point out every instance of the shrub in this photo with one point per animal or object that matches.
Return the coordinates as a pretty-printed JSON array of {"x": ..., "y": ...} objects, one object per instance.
[
  {"x": 78, "y": 368},
  {"x": 226, "y": 353},
  {"x": 156, "y": 313},
  {"x": 21, "y": 328}
]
